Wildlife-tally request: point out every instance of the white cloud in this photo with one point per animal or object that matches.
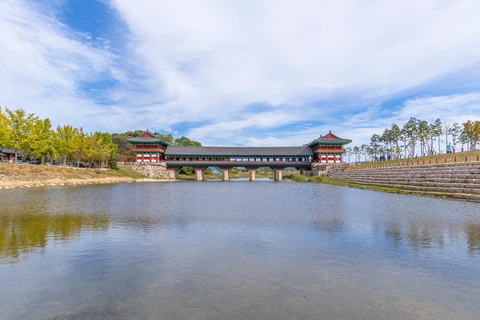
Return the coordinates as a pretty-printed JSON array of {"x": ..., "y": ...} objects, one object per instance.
[
  {"x": 42, "y": 65},
  {"x": 208, "y": 52},
  {"x": 449, "y": 108},
  {"x": 210, "y": 59},
  {"x": 206, "y": 62}
]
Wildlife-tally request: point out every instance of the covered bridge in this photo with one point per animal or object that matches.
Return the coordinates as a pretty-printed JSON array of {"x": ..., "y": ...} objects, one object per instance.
[{"x": 152, "y": 150}]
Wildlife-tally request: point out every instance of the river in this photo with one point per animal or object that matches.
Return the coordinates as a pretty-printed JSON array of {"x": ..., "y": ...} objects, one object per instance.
[{"x": 236, "y": 250}]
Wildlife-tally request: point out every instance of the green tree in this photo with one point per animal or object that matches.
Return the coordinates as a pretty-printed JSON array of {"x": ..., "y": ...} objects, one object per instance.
[
  {"x": 374, "y": 140},
  {"x": 184, "y": 141},
  {"x": 438, "y": 131},
  {"x": 455, "y": 131},
  {"x": 395, "y": 135},
  {"x": 5, "y": 133},
  {"x": 356, "y": 152},
  {"x": 65, "y": 142},
  {"x": 411, "y": 133},
  {"x": 167, "y": 137},
  {"x": 472, "y": 131},
  {"x": 21, "y": 126},
  {"x": 103, "y": 149},
  {"x": 423, "y": 135},
  {"x": 41, "y": 140}
]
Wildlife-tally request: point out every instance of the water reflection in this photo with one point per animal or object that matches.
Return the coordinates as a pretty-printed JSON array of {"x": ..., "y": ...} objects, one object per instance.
[
  {"x": 433, "y": 235},
  {"x": 21, "y": 234},
  {"x": 473, "y": 232},
  {"x": 236, "y": 251}
]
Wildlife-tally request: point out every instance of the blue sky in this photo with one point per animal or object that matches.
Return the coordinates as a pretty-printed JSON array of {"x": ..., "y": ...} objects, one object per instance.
[{"x": 253, "y": 73}]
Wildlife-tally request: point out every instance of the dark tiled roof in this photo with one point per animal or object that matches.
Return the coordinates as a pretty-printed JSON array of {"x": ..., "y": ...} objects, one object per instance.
[
  {"x": 9, "y": 151},
  {"x": 239, "y": 151},
  {"x": 154, "y": 139},
  {"x": 336, "y": 140}
]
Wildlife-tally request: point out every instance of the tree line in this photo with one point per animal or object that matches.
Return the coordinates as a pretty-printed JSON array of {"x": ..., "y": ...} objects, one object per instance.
[
  {"x": 418, "y": 137},
  {"x": 125, "y": 153},
  {"x": 36, "y": 139}
]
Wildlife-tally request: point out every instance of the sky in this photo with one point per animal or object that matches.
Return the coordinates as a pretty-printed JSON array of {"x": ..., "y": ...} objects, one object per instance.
[{"x": 244, "y": 73}]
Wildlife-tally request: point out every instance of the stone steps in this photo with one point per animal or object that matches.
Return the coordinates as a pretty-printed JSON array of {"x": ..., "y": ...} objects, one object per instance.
[
  {"x": 420, "y": 183},
  {"x": 458, "y": 180},
  {"x": 453, "y": 187},
  {"x": 432, "y": 177}
]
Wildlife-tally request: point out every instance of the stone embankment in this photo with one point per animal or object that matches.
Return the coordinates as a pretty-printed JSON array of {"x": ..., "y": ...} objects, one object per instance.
[{"x": 455, "y": 180}]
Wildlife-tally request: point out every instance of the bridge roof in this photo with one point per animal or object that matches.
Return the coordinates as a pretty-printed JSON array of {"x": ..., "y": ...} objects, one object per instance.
[
  {"x": 329, "y": 138},
  {"x": 147, "y": 136},
  {"x": 239, "y": 151}
]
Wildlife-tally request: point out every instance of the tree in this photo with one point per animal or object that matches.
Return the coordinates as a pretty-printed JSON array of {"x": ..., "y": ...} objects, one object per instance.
[
  {"x": 100, "y": 149},
  {"x": 167, "y": 137},
  {"x": 21, "y": 125},
  {"x": 447, "y": 128},
  {"x": 411, "y": 131},
  {"x": 463, "y": 139},
  {"x": 5, "y": 133},
  {"x": 423, "y": 135},
  {"x": 65, "y": 141},
  {"x": 41, "y": 140},
  {"x": 396, "y": 134},
  {"x": 364, "y": 150},
  {"x": 184, "y": 141},
  {"x": 455, "y": 131},
  {"x": 385, "y": 138},
  {"x": 348, "y": 151},
  {"x": 374, "y": 143},
  {"x": 356, "y": 152},
  {"x": 438, "y": 131},
  {"x": 472, "y": 131}
]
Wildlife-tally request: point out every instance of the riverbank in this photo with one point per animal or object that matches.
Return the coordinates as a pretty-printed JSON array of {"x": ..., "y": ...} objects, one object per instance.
[
  {"x": 299, "y": 178},
  {"x": 27, "y": 176}
]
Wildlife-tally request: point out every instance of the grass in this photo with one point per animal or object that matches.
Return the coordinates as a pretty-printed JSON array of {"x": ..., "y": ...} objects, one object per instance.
[
  {"x": 126, "y": 171},
  {"x": 470, "y": 156},
  {"x": 301, "y": 178},
  {"x": 41, "y": 172}
]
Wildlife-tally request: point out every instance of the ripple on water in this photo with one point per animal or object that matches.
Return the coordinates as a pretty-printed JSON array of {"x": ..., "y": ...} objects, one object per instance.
[{"x": 236, "y": 250}]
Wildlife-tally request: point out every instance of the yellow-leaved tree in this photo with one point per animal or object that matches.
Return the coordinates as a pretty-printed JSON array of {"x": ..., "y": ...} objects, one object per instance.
[
  {"x": 41, "y": 140},
  {"x": 5, "y": 133},
  {"x": 472, "y": 131},
  {"x": 66, "y": 142},
  {"x": 21, "y": 126}
]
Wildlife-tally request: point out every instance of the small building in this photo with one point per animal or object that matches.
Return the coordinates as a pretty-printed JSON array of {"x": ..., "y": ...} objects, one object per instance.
[
  {"x": 8, "y": 155},
  {"x": 328, "y": 148},
  {"x": 149, "y": 148}
]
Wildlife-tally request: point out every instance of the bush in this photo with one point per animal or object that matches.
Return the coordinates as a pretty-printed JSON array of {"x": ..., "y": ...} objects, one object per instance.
[{"x": 188, "y": 171}]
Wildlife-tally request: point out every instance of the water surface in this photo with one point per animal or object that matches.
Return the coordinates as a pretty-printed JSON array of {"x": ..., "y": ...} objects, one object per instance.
[{"x": 236, "y": 250}]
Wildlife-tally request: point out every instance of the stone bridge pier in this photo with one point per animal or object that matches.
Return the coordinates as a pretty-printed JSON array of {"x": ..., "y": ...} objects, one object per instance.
[
  {"x": 173, "y": 172},
  {"x": 225, "y": 173},
  {"x": 199, "y": 173},
  {"x": 277, "y": 174},
  {"x": 251, "y": 173}
]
